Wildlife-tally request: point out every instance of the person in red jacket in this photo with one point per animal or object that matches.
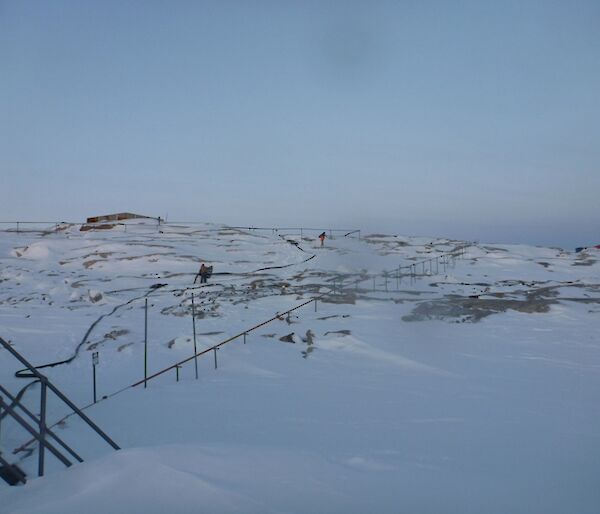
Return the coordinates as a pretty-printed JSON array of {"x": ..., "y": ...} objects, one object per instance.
[{"x": 322, "y": 238}]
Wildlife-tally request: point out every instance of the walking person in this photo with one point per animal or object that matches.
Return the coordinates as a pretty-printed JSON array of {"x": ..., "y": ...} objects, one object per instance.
[{"x": 322, "y": 238}]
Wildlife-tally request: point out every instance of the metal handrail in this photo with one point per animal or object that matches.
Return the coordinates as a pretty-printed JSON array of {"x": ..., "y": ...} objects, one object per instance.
[
  {"x": 36, "y": 434},
  {"x": 40, "y": 222},
  {"x": 222, "y": 343},
  {"x": 243, "y": 333},
  {"x": 58, "y": 393},
  {"x": 32, "y": 416}
]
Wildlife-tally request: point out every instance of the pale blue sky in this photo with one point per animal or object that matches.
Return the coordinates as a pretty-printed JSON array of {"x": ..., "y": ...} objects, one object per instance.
[{"x": 477, "y": 120}]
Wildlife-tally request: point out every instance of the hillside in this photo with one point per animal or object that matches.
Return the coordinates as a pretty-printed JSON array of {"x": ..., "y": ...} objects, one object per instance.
[{"x": 467, "y": 383}]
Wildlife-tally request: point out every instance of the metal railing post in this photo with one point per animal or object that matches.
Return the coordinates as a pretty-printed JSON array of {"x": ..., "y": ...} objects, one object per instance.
[
  {"x": 94, "y": 378},
  {"x": 194, "y": 329},
  {"x": 146, "y": 343},
  {"x": 215, "y": 352},
  {"x": 42, "y": 429}
]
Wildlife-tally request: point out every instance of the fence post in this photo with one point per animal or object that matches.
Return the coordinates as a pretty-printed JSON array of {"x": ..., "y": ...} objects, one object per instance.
[
  {"x": 177, "y": 372},
  {"x": 145, "y": 343},
  {"x": 94, "y": 362},
  {"x": 43, "y": 396},
  {"x": 215, "y": 350},
  {"x": 244, "y": 337},
  {"x": 194, "y": 329}
]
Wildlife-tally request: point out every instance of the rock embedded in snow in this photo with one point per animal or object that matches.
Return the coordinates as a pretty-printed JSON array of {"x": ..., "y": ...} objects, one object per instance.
[
  {"x": 288, "y": 338},
  {"x": 35, "y": 251},
  {"x": 95, "y": 296}
]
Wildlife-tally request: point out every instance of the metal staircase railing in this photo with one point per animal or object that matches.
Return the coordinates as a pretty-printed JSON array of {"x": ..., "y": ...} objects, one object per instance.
[{"x": 36, "y": 426}]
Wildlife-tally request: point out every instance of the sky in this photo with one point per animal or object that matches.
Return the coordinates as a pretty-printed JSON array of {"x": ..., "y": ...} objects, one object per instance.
[{"x": 474, "y": 120}]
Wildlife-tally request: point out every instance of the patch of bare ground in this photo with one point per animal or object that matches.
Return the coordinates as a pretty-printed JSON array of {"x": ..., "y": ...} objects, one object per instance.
[
  {"x": 459, "y": 309},
  {"x": 584, "y": 262},
  {"x": 343, "y": 298},
  {"x": 340, "y": 332},
  {"x": 334, "y": 316}
]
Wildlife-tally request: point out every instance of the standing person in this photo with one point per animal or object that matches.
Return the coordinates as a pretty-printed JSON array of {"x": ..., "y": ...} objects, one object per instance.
[
  {"x": 203, "y": 274},
  {"x": 322, "y": 238}
]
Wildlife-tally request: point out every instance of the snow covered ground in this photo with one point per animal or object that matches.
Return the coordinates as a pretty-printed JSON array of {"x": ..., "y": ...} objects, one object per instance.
[{"x": 473, "y": 387}]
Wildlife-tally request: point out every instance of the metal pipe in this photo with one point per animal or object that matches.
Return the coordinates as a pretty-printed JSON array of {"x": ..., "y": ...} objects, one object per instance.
[
  {"x": 94, "y": 379},
  {"x": 145, "y": 343},
  {"x": 19, "y": 475},
  {"x": 255, "y": 327},
  {"x": 58, "y": 393},
  {"x": 49, "y": 431},
  {"x": 35, "y": 434},
  {"x": 194, "y": 329},
  {"x": 42, "y": 428}
]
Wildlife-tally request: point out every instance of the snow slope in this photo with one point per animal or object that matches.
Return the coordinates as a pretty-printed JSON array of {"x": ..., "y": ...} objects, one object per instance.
[{"x": 473, "y": 389}]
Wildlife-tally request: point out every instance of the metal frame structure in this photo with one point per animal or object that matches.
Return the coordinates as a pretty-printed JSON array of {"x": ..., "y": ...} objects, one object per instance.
[{"x": 37, "y": 426}]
